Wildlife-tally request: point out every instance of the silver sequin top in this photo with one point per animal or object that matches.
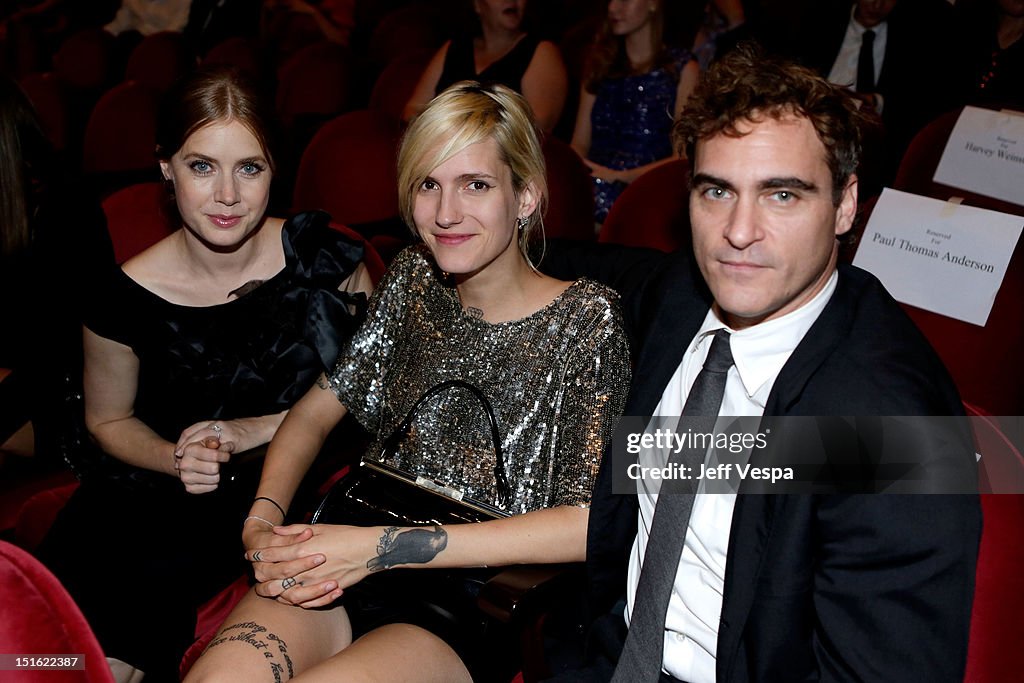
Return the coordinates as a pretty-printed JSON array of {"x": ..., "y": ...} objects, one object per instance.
[{"x": 557, "y": 380}]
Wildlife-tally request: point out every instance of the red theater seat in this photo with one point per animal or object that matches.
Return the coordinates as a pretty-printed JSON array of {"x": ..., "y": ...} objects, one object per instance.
[
  {"x": 46, "y": 93},
  {"x": 922, "y": 158},
  {"x": 348, "y": 169},
  {"x": 121, "y": 134},
  {"x": 137, "y": 218},
  {"x": 394, "y": 86},
  {"x": 314, "y": 82},
  {"x": 160, "y": 60},
  {"x": 570, "y": 211},
  {"x": 39, "y": 617},
  {"x": 653, "y": 211}
]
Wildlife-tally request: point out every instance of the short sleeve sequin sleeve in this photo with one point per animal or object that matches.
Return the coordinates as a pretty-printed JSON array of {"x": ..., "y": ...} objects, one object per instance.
[
  {"x": 367, "y": 365},
  {"x": 597, "y": 378}
]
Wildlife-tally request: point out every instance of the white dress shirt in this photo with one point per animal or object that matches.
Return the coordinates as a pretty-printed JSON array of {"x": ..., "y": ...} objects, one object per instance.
[
  {"x": 695, "y": 608},
  {"x": 844, "y": 69}
]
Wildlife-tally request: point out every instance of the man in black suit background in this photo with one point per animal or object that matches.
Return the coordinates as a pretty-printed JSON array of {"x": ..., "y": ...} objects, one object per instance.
[
  {"x": 901, "y": 58},
  {"x": 777, "y": 587}
]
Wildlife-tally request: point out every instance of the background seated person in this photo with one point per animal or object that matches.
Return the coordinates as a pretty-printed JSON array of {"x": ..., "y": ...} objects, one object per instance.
[
  {"x": 500, "y": 51},
  {"x": 634, "y": 87},
  {"x": 53, "y": 244}
]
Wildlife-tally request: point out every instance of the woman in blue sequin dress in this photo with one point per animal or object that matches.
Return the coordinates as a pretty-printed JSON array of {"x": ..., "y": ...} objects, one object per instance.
[{"x": 634, "y": 88}]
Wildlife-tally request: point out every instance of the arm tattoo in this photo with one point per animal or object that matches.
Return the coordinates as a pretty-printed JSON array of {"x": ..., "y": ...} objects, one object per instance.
[
  {"x": 412, "y": 546},
  {"x": 321, "y": 382}
]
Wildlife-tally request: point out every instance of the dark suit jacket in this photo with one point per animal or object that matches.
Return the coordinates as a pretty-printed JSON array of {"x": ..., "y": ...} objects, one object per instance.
[
  {"x": 918, "y": 72},
  {"x": 856, "y": 587}
]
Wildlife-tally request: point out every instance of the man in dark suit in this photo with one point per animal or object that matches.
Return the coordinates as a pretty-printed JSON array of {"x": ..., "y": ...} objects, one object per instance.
[
  {"x": 899, "y": 56},
  {"x": 777, "y": 587}
]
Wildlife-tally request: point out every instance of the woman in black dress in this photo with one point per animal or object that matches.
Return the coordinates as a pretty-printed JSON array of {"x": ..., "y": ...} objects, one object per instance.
[
  {"x": 503, "y": 52},
  {"x": 194, "y": 352}
]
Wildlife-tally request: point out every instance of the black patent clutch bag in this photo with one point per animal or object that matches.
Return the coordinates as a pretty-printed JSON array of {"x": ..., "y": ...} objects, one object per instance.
[{"x": 380, "y": 494}]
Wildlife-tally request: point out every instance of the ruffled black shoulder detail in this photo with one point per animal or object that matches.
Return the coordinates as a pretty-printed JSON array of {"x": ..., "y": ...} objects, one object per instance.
[{"x": 320, "y": 259}]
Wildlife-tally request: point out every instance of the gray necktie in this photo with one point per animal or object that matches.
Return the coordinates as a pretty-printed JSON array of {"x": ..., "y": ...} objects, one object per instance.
[{"x": 643, "y": 651}]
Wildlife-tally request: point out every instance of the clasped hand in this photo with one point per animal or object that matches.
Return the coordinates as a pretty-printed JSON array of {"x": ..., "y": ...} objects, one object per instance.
[
  {"x": 204, "y": 447},
  {"x": 198, "y": 464},
  {"x": 310, "y": 565}
]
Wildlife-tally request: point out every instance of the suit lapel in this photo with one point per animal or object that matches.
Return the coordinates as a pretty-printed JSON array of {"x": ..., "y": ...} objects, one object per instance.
[
  {"x": 670, "y": 328},
  {"x": 754, "y": 515}
]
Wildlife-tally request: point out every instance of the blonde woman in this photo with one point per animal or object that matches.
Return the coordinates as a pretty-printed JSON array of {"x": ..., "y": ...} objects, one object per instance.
[{"x": 466, "y": 304}]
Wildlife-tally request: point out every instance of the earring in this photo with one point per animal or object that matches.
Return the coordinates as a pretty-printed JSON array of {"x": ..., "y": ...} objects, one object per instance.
[{"x": 521, "y": 223}]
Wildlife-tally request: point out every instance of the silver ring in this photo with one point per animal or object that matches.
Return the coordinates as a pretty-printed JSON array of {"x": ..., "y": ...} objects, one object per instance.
[{"x": 217, "y": 428}]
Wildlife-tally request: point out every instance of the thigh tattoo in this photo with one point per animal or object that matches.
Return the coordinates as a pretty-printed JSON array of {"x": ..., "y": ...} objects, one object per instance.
[{"x": 257, "y": 636}]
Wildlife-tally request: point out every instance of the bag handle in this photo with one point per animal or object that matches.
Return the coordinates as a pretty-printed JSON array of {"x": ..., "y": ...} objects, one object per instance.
[{"x": 390, "y": 444}]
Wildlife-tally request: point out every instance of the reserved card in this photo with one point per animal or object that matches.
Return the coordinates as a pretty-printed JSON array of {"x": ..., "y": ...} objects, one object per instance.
[
  {"x": 939, "y": 256},
  {"x": 985, "y": 154}
]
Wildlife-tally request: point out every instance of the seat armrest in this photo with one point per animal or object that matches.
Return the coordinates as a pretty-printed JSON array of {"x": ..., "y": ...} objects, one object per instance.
[{"x": 523, "y": 591}]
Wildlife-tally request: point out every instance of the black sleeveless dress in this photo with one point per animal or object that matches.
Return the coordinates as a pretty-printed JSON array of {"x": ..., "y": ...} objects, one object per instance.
[
  {"x": 459, "y": 64},
  {"x": 137, "y": 552}
]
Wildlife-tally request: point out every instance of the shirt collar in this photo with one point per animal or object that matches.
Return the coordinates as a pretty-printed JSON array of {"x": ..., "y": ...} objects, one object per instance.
[{"x": 761, "y": 351}]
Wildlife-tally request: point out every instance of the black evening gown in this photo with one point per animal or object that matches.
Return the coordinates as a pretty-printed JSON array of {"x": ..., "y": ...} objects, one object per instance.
[{"x": 136, "y": 551}]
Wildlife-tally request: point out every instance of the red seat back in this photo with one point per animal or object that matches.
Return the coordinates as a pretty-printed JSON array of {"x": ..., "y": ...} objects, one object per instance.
[
  {"x": 348, "y": 169},
  {"x": 85, "y": 60},
  {"x": 137, "y": 218},
  {"x": 653, "y": 211},
  {"x": 316, "y": 80},
  {"x": 121, "y": 133},
  {"x": 419, "y": 26},
  {"x": 395, "y": 84},
  {"x": 570, "y": 211},
  {"x": 160, "y": 60},
  {"x": 993, "y": 651},
  {"x": 239, "y": 53},
  {"x": 41, "y": 618},
  {"x": 922, "y": 158},
  {"x": 985, "y": 361},
  {"x": 47, "y": 96}
]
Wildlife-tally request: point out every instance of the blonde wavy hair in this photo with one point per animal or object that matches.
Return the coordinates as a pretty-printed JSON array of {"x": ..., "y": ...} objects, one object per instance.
[{"x": 464, "y": 114}]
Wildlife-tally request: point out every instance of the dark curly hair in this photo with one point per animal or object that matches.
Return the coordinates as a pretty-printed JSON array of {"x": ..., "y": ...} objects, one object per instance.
[{"x": 747, "y": 85}]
